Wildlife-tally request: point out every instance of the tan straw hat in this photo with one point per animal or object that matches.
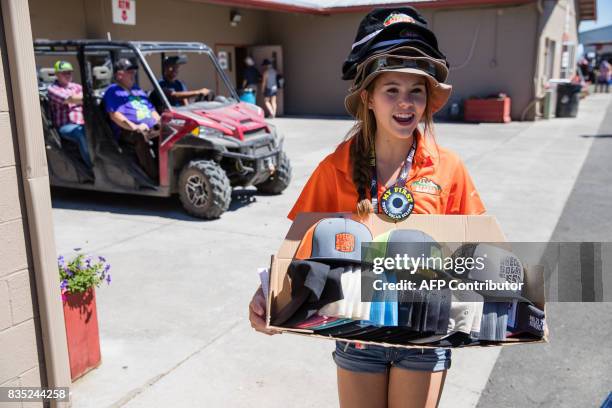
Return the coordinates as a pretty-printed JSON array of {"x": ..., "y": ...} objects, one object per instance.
[{"x": 433, "y": 70}]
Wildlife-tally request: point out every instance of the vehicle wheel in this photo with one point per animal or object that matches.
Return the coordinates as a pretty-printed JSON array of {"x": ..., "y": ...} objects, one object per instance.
[
  {"x": 278, "y": 181},
  {"x": 204, "y": 189}
]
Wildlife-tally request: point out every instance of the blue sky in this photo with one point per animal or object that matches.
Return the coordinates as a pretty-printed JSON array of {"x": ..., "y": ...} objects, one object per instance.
[{"x": 604, "y": 16}]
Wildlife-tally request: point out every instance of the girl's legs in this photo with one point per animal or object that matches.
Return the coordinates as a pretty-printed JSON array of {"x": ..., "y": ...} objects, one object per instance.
[
  {"x": 415, "y": 389},
  {"x": 268, "y": 103},
  {"x": 362, "y": 390},
  {"x": 273, "y": 102}
]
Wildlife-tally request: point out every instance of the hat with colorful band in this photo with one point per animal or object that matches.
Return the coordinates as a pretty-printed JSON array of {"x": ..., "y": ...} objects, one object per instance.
[
  {"x": 63, "y": 66},
  {"x": 334, "y": 239},
  {"x": 385, "y": 28}
]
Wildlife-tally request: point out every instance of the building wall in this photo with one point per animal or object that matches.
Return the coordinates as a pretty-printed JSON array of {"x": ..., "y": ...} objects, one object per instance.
[
  {"x": 156, "y": 20},
  {"x": 19, "y": 322},
  {"x": 490, "y": 50},
  {"x": 558, "y": 17}
]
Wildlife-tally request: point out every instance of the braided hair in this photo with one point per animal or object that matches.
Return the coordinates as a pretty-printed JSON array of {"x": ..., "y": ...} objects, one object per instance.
[{"x": 363, "y": 134}]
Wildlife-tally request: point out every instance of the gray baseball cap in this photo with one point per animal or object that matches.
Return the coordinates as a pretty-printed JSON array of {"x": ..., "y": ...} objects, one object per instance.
[{"x": 334, "y": 239}]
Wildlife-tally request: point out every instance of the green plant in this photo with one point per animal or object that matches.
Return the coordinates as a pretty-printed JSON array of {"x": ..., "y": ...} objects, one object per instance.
[{"x": 82, "y": 273}]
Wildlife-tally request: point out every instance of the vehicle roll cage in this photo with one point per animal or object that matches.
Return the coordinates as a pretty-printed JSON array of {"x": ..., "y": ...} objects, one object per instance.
[{"x": 139, "y": 48}]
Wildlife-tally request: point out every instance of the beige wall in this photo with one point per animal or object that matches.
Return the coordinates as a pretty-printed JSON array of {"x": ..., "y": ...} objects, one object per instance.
[
  {"x": 21, "y": 357},
  {"x": 157, "y": 20},
  {"x": 57, "y": 20},
  {"x": 502, "y": 61},
  {"x": 503, "y": 42},
  {"x": 553, "y": 24},
  {"x": 503, "y": 39}
]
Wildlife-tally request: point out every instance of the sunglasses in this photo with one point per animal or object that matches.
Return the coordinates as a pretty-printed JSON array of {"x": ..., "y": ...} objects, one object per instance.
[{"x": 391, "y": 63}]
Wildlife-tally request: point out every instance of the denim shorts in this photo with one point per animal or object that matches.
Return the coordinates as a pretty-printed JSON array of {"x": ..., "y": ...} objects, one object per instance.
[{"x": 378, "y": 359}]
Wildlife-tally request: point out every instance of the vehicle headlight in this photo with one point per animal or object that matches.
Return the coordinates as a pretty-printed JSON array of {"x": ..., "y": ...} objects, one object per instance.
[{"x": 204, "y": 131}]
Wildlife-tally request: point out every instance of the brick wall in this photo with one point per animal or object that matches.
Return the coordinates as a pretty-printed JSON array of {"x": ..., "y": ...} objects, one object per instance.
[{"x": 20, "y": 345}]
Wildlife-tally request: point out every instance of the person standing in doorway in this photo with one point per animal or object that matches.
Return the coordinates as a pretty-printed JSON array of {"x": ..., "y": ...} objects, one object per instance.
[
  {"x": 269, "y": 87},
  {"x": 251, "y": 75}
]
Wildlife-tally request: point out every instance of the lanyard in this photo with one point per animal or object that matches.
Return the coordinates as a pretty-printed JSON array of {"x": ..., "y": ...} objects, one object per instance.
[{"x": 401, "y": 179}]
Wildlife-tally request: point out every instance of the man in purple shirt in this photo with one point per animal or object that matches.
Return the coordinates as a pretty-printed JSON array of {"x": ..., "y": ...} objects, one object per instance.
[
  {"x": 66, "y": 102},
  {"x": 134, "y": 119}
]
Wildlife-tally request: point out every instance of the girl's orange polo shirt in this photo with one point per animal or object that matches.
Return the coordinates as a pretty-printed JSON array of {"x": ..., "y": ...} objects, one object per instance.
[{"x": 438, "y": 180}]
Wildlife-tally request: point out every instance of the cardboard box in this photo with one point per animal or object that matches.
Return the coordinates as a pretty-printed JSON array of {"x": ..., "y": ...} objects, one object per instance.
[{"x": 443, "y": 228}]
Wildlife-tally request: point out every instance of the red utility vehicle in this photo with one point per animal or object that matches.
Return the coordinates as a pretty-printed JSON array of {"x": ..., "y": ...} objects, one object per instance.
[{"x": 205, "y": 148}]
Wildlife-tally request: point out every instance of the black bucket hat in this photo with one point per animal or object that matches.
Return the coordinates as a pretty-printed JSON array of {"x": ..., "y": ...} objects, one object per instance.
[{"x": 385, "y": 29}]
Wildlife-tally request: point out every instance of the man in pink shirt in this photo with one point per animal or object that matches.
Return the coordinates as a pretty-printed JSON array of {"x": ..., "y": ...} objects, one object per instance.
[{"x": 66, "y": 99}]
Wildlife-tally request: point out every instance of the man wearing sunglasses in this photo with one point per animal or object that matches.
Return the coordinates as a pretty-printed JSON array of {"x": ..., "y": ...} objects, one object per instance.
[{"x": 66, "y": 102}]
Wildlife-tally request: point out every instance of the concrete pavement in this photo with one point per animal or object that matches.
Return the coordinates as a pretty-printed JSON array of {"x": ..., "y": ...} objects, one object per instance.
[
  {"x": 579, "y": 355},
  {"x": 174, "y": 328}
]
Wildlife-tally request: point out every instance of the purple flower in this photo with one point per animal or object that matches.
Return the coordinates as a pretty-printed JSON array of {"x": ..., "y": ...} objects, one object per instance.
[
  {"x": 88, "y": 262},
  {"x": 108, "y": 279},
  {"x": 101, "y": 259},
  {"x": 106, "y": 268},
  {"x": 60, "y": 260},
  {"x": 64, "y": 284},
  {"x": 68, "y": 272}
]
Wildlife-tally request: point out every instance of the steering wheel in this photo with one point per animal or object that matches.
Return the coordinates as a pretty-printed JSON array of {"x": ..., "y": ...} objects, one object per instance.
[{"x": 205, "y": 98}]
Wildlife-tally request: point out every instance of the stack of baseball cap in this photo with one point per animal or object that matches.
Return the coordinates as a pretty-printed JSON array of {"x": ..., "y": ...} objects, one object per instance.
[
  {"x": 384, "y": 30},
  {"x": 326, "y": 291},
  {"x": 395, "y": 39},
  {"x": 325, "y": 269},
  {"x": 505, "y": 312}
]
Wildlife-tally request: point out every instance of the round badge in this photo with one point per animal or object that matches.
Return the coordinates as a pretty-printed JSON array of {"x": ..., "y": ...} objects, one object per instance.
[{"x": 397, "y": 202}]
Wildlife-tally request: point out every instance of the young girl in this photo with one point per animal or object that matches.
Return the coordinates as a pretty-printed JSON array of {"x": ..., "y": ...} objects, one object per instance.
[
  {"x": 398, "y": 84},
  {"x": 269, "y": 87}
]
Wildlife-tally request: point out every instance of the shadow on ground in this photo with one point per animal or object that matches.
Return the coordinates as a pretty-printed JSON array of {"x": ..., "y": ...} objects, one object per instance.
[
  {"x": 129, "y": 204},
  {"x": 597, "y": 136}
]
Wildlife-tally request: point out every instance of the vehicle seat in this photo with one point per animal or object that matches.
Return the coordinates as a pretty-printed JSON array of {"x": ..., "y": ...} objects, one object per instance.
[
  {"x": 115, "y": 160},
  {"x": 102, "y": 75},
  {"x": 51, "y": 134},
  {"x": 46, "y": 75}
]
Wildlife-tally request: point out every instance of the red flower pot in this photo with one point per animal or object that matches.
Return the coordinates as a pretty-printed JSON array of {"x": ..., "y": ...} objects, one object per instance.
[
  {"x": 82, "y": 333},
  {"x": 495, "y": 110}
]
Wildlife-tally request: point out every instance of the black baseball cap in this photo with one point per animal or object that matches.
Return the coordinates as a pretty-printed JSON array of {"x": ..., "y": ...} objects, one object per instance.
[
  {"x": 124, "y": 64},
  {"x": 175, "y": 60},
  {"x": 384, "y": 29}
]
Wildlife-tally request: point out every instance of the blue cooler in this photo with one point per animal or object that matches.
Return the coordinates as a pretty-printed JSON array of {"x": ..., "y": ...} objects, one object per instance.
[{"x": 248, "y": 96}]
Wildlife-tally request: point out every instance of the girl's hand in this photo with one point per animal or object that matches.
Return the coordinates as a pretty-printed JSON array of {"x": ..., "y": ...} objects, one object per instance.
[{"x": 257, "y": 313}]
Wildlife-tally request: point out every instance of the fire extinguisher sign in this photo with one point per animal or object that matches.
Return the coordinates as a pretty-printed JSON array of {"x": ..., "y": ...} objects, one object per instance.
[{"x": 124, "y": 12}]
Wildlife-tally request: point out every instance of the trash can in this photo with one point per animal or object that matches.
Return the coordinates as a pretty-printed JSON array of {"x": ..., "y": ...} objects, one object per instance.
[{"x": 568, "y": 98}]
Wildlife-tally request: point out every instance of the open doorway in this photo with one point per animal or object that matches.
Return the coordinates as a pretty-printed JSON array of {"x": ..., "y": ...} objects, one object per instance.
[{"x": 235, "y": 67}]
